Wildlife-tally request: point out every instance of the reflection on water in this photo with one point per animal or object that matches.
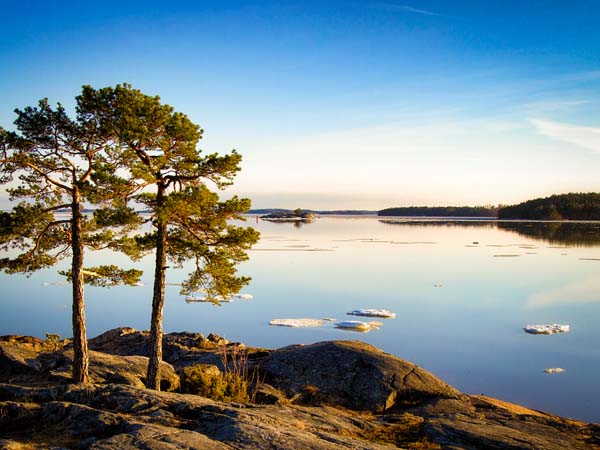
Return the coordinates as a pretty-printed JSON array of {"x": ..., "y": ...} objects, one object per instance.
[
  {"x": 434, "y": 222},
  {"x": 579, "y": 234},
  {"x": 568, "y": 233},
  {"x": 296, "y": 223},
  {"x": 582, "y": 290},
  {"x": 460, "y": 305}
]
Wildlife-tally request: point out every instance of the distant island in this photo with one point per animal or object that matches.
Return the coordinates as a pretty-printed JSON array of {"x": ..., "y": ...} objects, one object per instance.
[
  {"x": 297, "y": 215},
  {"x": 441, "y": 211},
  {"x": 573, "y": 206}
]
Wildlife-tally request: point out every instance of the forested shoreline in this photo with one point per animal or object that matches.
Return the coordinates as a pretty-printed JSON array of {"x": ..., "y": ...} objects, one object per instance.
[{"x": 572, "y": 206}]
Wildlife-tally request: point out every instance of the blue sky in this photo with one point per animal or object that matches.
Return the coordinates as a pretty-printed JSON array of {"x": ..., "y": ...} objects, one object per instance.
[{"x": 342, "y": 103}]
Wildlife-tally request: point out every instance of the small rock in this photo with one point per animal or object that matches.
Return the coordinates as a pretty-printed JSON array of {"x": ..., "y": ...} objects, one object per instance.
[
  {"x": 265, "y": 394},
  {"x": 216, "y": 339},
  {"x": 18, "y": 359}
]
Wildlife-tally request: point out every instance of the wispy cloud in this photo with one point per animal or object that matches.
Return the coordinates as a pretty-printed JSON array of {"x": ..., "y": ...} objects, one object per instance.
[
  {"x": 586, "y": 137},
  {"x": 586, "y": 290},
  {"x": 545, "y": 106},
  {"x": 406, "y": 8}
]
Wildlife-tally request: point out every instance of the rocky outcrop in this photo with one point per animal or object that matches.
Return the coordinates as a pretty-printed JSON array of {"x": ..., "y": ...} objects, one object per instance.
[
  {"x": 358, "y": 376},
  {"x": 31, "y": 361},
  {"x": 105, "y": 368},
  {"x": 484, "y": 423},
  {"x": 329, "y": 395},
  {"x": 124, "y": 417},
  {"x": 179, "y": 349},
  {"x": 353, "y": 374},
  {"x": 18, "y": 359}
]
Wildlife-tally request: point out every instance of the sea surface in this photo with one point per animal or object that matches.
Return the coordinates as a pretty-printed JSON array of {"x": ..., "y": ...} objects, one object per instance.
[{"x": 462, "y": 292}]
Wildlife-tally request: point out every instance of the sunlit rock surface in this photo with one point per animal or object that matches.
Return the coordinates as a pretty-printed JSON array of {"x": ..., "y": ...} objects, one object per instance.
[{"x": 329, "y": 395}]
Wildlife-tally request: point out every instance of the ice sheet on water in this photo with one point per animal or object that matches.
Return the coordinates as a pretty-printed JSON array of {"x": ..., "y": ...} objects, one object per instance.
[
  {"x": 358, "y": 325},
  {"x": 57, "y": 283},
  {"x": 207, "y": 299},
  {"x": 547, "y": 329},
  {"x": 297, "y": 323},
  {"x": 242, "y": 296},
  {"x": 370, "y": 312}
]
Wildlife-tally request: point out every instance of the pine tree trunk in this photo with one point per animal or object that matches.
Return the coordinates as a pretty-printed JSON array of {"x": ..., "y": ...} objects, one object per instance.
[
  {"x": 80, "y": 349},
  {"x": 158, "y": 299}
]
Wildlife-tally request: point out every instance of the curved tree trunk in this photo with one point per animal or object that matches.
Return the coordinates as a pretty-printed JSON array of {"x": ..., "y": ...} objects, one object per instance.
[
  {"x": 80, "y": 349},
  {"x": 158, "y": 299}
]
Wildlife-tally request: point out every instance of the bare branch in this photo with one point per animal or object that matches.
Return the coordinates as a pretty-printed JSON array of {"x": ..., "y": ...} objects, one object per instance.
[
  {"x": 43, "y": 233},
  {"x": 47, "y": 177},
  {"x": 57, "y": 207},
  {"x": 63, "y": 251},
  {"x": 90, "y": 167}
]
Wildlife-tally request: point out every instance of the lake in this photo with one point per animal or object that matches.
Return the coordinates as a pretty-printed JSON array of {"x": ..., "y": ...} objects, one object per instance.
[{"x": 462, "y": 293}]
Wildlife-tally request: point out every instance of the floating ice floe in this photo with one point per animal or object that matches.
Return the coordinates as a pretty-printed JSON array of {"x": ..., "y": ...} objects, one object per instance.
[
  {"x": 358, "y": 325},
  {"x": 200, "y": 299},
  {"x": 242, "y": 296},
  {"x": 554, "y": 370},
  {"x": 547, "y": 329},
  {"x": 207, "y": 299},
  {"x": 372, "y": 313},
  {"x": 56, "y": 283},
  {"x": 296, "y": 323}
]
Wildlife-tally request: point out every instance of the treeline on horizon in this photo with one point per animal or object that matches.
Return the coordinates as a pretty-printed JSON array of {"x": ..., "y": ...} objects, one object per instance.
[
  {"x": 441, "y": 211},
  {"x": 572, "y": 206}
]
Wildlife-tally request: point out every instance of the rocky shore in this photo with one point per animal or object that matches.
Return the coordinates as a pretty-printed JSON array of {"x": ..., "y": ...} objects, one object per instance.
[{"x": 328, "y": 395}]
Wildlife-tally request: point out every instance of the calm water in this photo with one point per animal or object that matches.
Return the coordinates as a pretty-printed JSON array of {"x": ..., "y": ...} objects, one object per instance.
[{"x": 460, "y": 306}]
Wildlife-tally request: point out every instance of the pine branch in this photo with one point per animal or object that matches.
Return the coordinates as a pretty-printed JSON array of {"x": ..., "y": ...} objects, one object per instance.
[
  {"x": 47, "y": 177},
  {"x": 44, "y": 231},
  {"x": 57, "y": 207}
]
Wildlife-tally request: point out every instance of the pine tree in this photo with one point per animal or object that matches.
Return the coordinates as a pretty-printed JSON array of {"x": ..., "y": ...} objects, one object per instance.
[
  {"x": 190, "y": 223},
  {"x": 52, "y": 164}
]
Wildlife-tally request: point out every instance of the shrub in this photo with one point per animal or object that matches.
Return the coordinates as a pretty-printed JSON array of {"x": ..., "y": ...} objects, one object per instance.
[
  {"x": 227, "y": 387},
  {"x": 53, "y": 341}
]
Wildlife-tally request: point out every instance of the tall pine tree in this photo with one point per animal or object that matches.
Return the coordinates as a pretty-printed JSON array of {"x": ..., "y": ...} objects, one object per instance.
[
  {"x": 50, "y": 165},
  {"x": 190, "y": 223}
]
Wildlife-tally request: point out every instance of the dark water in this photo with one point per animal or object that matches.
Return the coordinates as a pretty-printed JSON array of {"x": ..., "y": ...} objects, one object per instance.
[{"x": 462, "y": 292}]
